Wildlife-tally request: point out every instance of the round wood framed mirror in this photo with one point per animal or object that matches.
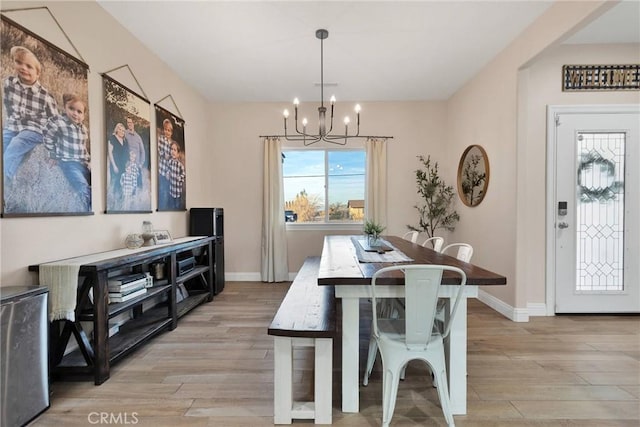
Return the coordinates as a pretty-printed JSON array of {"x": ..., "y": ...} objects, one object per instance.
[{"x": 473, "y": 175}]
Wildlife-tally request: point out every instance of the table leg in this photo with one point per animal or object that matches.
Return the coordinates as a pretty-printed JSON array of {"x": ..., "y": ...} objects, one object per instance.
[
  {"x": 350, "y": 354},
  {"x": 456, "y": 351}
]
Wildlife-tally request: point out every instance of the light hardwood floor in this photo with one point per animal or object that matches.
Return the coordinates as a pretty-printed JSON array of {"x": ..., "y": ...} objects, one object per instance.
[{"x": 216, "y": 369}]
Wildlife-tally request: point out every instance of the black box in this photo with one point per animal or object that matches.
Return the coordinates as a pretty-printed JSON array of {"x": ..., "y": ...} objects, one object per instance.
[
  {"x": 206, "y": 222},
  {"x": 185, "y": 265}
]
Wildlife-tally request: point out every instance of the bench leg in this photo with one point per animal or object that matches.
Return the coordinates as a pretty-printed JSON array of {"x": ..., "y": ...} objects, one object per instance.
[
  {"x": 282, "y": 380},
  {"x": 284, "y": 408},
  {"x": 323, "y": 376}
]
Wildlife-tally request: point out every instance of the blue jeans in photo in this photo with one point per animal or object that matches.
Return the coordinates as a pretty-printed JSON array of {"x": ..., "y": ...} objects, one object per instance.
[
  {"x": 163, "y": 192},
  {"x": 17, "y": 145},
  {"x": 175, "y": 203},
  {"x": 79, "y": 177}
]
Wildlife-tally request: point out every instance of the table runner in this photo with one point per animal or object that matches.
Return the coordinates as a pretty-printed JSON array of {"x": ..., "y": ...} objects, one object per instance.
[
  {"x": 61, "y": 277},
  {"x": 391, "y": 256}
]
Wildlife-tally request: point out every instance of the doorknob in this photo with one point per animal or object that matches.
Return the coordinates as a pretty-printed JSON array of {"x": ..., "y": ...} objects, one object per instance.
[{"x": 563, "y": 225}]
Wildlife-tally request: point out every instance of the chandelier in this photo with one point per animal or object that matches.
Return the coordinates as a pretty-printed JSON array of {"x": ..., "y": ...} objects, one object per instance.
[{"x": 324, "y": 132}]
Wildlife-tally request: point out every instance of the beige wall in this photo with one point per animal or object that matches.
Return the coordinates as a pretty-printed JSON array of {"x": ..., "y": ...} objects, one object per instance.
[{"x": 104, "y": 45}]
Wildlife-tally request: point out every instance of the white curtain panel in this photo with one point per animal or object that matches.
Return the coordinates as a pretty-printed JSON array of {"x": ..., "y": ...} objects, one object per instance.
[
  {"x": 274, "y": 238},
  {"x": 376, "y": 186}
]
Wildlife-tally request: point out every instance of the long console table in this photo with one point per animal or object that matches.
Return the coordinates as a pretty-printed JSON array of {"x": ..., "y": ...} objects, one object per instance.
[{"x": 97, "y": 351}]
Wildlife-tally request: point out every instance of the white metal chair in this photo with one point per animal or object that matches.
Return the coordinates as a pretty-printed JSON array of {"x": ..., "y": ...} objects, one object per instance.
[
  {"x": 394, "y": 309},
  {"x": 465, "y": 251},
  {"x": 411, "y": 236},
  {"x": 434, "y": 243},
  {"x": 413, "y": 337}
]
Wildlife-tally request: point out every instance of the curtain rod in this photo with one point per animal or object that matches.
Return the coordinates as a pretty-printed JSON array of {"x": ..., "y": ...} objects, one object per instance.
[{"x": 351, "y": 137}]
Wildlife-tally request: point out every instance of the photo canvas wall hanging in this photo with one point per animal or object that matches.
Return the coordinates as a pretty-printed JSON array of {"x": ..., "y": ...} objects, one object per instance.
[
  {"x": 128, "y": 143},
  {"x": 172, "y": 168},
  {"x": 46, "y": 153}
]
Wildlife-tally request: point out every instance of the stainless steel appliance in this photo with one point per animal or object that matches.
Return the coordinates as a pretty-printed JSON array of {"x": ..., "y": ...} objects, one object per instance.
[{"x": 24, "y": 371}]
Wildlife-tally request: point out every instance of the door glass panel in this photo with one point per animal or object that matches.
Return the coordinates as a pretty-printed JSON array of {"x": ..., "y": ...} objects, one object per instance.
[{"x": 600, "y": 212}]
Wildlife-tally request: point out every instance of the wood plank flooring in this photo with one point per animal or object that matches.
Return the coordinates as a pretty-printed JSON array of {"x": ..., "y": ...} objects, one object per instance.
[{"x": 216, "y": 369}]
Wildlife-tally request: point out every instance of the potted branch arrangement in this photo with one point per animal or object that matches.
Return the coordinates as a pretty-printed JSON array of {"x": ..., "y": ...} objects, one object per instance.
[
  {"x": 437, "y": 209},
  {"x": 373, "y": 230}
]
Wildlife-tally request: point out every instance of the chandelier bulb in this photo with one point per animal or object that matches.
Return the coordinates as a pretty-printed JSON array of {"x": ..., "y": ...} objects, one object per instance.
[
  {"x": 304, "y": 122},
  {"x": 296, "y": 102},
  {"x": 333, "y": 99},
  {"x": 347, "y": 120},
  {"x": 285, "y": 113},
  {"x": 357, "y": 108}
]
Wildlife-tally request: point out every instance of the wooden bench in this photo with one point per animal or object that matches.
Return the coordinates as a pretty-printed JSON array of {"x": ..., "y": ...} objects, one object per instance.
[{"x": 306, "y": 318}]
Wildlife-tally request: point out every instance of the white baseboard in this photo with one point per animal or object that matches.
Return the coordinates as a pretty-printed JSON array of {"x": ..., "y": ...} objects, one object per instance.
[
  {"x": 242, "y": 277},
  {"x": 514, "y": 314},
  {"x": 537, "y": 309}
]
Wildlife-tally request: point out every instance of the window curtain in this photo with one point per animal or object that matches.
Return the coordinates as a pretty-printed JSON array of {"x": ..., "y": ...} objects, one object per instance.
[
  {"x": 376, "y": 186},
  {"x": 275, "y": 267}
]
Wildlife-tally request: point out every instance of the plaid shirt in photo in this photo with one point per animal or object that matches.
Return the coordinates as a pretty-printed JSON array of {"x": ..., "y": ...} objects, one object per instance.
[
  {"x": 176, "y": 178},
  {"x": 27, "y": 107},
  {"x": 66, "y": 140},
  {"x": 164, "y": 155},
  {"x": 129, "y": 179}
]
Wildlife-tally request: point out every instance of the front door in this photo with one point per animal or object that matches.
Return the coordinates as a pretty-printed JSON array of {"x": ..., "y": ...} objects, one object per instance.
[{"x": 597, "y": 212}]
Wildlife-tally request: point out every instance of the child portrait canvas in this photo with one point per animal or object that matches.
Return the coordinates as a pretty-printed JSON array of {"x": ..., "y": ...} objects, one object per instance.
[
  {"x": 128, "y": 144},
  {"x": 172, "y": 175},
  {"x": 46, "y": 152}
]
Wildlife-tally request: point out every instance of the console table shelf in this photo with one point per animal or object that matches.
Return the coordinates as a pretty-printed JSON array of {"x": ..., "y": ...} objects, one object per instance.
[
  {"x": 97, "y": 351},
  {"x": 190, "y": 302}
]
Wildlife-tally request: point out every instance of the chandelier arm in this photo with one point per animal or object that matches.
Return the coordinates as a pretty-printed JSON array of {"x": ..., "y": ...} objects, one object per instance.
[
  {"x": 357, "y": 128},
  {"x": 336, "y": 140},
  {"x": 286, "y": 134},
  {"x": 330, "y": 138},
  {"x": 308, "y": 135},
  {"x": 331, "y": 121},
  {"x": 298, "y": 138},
  {"x": 296, "y": 119},
  {"x": 345, "y": 135}
]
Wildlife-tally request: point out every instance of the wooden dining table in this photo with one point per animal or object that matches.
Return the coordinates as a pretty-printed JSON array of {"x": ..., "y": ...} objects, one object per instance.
[{"x": 340, "y": 267}]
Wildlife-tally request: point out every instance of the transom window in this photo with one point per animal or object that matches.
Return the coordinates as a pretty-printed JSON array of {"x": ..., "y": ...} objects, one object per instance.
[{"x": 324, "y": 186}]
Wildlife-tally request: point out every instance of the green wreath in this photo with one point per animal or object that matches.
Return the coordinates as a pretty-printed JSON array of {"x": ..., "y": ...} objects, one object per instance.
[{"x": 588, "y": 194}]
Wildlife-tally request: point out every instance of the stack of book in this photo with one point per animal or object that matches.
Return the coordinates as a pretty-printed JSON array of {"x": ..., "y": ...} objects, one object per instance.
[{"x": 124, "y": 288}]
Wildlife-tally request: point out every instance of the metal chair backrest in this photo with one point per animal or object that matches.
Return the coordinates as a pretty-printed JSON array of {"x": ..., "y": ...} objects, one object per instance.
[
  {"x": 465, "y": 251},
  {"x": 434, "y": 243},
  {"x": 411, "y": 236},
  {"x": 422, "y": 283}
]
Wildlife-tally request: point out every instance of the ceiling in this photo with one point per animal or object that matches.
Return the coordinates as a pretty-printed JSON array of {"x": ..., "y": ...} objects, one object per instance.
[{"x": 244, "y": 51}]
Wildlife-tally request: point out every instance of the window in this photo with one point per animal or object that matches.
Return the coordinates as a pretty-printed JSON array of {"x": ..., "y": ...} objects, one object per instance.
[{"x": 324, "y": 186}]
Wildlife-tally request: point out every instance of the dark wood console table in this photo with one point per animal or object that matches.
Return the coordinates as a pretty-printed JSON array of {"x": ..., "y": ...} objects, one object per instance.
[{"x": 97, "y": 351}]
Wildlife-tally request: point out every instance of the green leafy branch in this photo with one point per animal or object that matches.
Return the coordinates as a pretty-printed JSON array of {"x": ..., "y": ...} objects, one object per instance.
[{"x": 436, "y": 212}]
